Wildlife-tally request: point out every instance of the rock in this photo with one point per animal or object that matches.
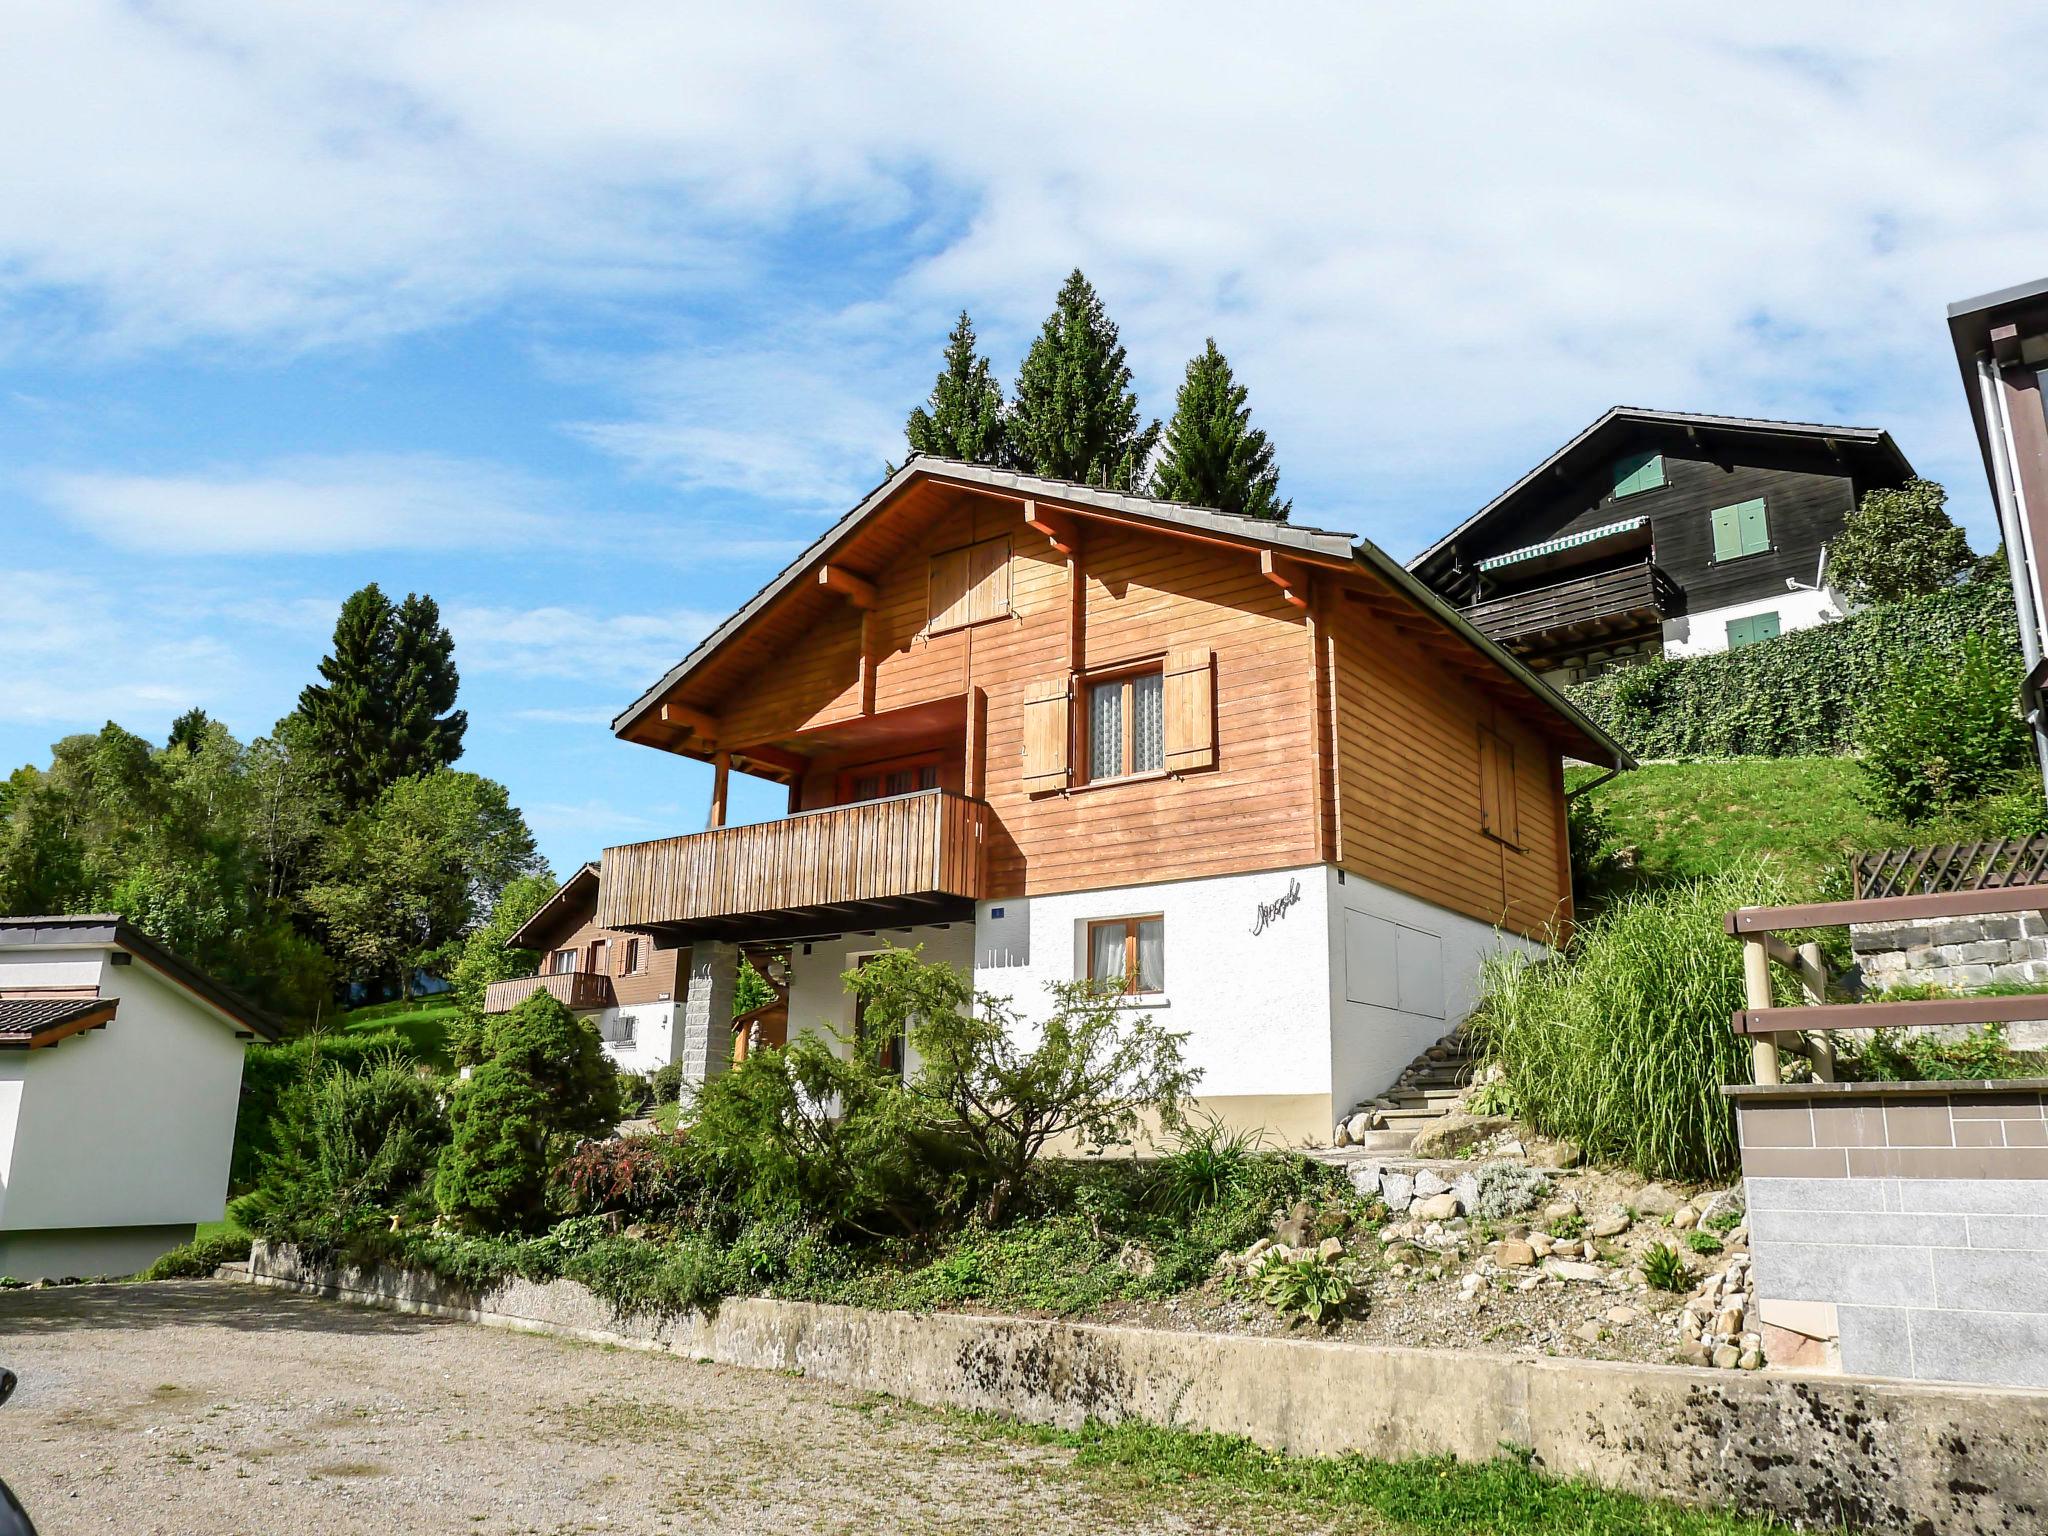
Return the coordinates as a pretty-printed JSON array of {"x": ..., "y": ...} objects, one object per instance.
[
  {"x": 1565, "y": 1269},
  {"x": 1513, "y": 1253},
  {"x": 1471, "y": 1283},
  {"x": 1342, "y": 1135},
  {"x": 1654, "y": 1200},
  {"x": 1398, "y": 1190},
  {"x": 1135, "y": 1259},
  {"x": 1330, "y": 1248},
  {"x": 1429, "y": 1182},
  {"x": 1613, "y": 1224},
  {"x": 1690, "y": 1326},
  {"x": 1456, "y": 1134},
  {"x": 1621, "y": 1317},
  {"x": 1293, "y": 1232},
  {"x": 1727, "y": 1357},
  {"x": 1258, "y": 1250},
  {"x": 1685, "y": 1218},
  {"x": 1358, "y": 1125},
  {"x": 1511, "y": 1148},
  {"x": 1693, "y": 1352},
  {"x": 1559, "y": 1210},
  {"x": 1588, "y": 1333},
  {"x": 1558, "y": 1154},
  {"x": 1467, "y": 1191},
  {"x": 1438, "y": 1207},
  {"x": 1750, "y": 1360},
  {"x": 1540, "y": 1241}
]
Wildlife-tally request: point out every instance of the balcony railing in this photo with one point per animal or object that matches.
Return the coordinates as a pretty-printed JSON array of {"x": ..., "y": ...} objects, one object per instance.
[
  {"x": 578, "y": 989},
  {"x": 1631, "y": 597},
  {"x": 930, "y": 844}
]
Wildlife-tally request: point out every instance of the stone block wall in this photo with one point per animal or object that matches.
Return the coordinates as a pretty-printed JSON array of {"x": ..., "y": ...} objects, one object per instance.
[
  {"x": 1902, "y": 1228},
  {"x": 1959, "y": 953}
]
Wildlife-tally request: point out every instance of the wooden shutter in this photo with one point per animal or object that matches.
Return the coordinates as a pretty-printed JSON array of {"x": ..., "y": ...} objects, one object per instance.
[
  {"x": 1754, "y": 527},
  {"x": 1764, "y": 626},
  {"x": 1499, "y": 806},
  {"x": 1048, "y": 726},
  {"x": 1638, "y": 472},
  {"x": 1727, "y": 533},
  {"x": 1738, "y": 634},
  {"x": 1190, "y": 709},
  {"x": 988, "y": 580},
  {"x": 949, "y": 587}
]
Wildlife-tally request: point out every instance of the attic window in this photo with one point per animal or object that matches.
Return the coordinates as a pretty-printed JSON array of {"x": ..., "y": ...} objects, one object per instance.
[{"x": 1638, "y": 472}]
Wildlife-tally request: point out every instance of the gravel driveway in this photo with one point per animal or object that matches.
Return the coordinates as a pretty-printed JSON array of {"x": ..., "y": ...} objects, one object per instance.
[{"x": 207, "y": 1407}]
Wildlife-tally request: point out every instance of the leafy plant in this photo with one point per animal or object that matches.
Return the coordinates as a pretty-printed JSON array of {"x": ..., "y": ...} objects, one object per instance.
[
  {"x": 1622, "y": 1043},
  {"x": 198, "y": 1259},
  {"x": 1667, "y": 1269},
  {"x": 1570, "y": 1227},
  {"x": 1942, "y": 732},
  {"x": 1210, "y": 1162},
  {"x": 1723, "y": 1222},
  {"x": 1891, "y": 1055},
  {"x": 1507, "y": 1189},
  {"x": 1495, "y": 1096},
  {"x": 1308, "y": 1288},
  {"x": 1699, "y": 1240},
  {"x": 631, "y": 1176}
]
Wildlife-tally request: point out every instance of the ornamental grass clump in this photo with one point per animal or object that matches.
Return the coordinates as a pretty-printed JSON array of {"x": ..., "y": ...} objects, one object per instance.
[{"x": 1621, "y": 1043}]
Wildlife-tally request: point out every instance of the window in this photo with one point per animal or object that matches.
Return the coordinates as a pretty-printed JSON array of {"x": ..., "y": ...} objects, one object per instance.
[
  {"x": 600, "y": 957},
  {"x": 970, "y": 585},
  {"x": 1128, "y": 954},
  {"x": 621, "y": 1032},
  {"x": 562, "y": 962},
  {"x": 877, "y": 781},
  {"x": 1126, "y": 725},
  {"x": 634, "y": 961},
  {"x": 1758, "y": 626},
  {"x": 1499, "y": 809},
  {"x": 1742, "y": 529},
  {"x": 1638, "y": 472}
]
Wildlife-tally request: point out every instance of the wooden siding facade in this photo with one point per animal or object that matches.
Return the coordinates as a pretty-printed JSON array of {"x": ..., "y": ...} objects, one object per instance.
[
  {"x": 655, "y": 979},
  {"x": 1305, "y": 727}
]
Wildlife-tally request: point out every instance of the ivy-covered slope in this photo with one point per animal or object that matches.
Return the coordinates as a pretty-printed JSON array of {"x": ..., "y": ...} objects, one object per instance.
[{"x": 1797, "y": 695}]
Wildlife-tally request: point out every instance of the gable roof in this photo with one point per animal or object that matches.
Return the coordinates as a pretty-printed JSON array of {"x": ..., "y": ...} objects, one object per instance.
[
  {"x": 579, "y": 885},
  {"x": 107, "y": 930},
  {"x": 1586, "y": 444},
  {"x": 28, "y": 1022},
  {"x": 1323, "y": 544}
]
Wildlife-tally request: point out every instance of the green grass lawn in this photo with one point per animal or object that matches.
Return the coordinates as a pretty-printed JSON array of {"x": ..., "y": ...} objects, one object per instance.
[{"x": 423, "y": 1024}]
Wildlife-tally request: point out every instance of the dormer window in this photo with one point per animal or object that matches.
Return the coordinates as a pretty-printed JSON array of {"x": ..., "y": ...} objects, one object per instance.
[{"x": 1638, "y": 472}]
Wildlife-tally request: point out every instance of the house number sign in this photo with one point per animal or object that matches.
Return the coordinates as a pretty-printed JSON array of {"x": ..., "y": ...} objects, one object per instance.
[{"x": 1270, "y": 912}]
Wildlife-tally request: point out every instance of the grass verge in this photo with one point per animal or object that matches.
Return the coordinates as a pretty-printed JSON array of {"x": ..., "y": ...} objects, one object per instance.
[{"x": 422, "y": 1024}]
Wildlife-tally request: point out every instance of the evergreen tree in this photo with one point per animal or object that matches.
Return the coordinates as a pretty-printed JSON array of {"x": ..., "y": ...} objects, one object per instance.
[
  {"x": 1214, "y": 456},
  {"x": 189, "y": 730},
  {"x": 384, "y": 711},
  {"x": 964, "y": 417},
  {"x": 1075, "y": 416}
]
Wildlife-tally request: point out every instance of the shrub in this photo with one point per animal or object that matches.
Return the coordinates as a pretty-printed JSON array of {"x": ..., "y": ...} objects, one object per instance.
[
  {"x": 1890, "y": 1055},
  {"x": 1799, "y": 694},
  {"x": 546, "y": 1084},
  {"x": 270, "y": 1071},
  {"x": 1308, "y": 1288},
  {"x": 1702, "y": 1241},
  {"x": 1899, "y": 542},
  {"x": 1507, "y": 1189},
  {"x": 632, "y": 1176},
  {"x": 1667, "y": 1269},
  {"x": 351, "y": 1149},
  {"x": 1622, "y": 1042},
  {"x": 1092, "y": 1074},
  {"x": 1209, "y": 1164},
  {"x": 667, "y": 1083},
  {"x": 1942, "y": 732},
  {"x": 198, "y": 1259}
]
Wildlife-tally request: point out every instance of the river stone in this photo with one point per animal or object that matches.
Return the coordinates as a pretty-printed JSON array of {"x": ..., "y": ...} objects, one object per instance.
[
  {"x": 1513, "y": 1253},
  {"x": 1566, "y": 1269},
  {"x": 1437, "y": 1207},
  {"x": 1358, "y": 1125},
  {"x": 1341, "y": 1136},
  {"x": 1654, "y": 1200}
]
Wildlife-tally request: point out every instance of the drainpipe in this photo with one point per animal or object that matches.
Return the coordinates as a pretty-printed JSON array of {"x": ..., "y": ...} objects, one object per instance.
[{"x": 2020, "y": 556}]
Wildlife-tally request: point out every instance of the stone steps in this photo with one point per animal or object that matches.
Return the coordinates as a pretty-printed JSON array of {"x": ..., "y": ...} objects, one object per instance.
[{"x": 1427, "y": 1089}]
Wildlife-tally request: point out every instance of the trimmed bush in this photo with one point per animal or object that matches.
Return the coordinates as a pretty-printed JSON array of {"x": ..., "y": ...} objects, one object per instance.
[
  {"x": 270, "y": 1071},
  {"x": 1800, "y": 694},
  {"x": 1943, "y": 732},
  {"x": 1622, "y": 1043}
]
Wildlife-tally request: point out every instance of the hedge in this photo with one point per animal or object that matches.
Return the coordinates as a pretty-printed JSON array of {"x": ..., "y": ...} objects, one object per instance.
[
  {"x": 268, "y": 1070},
  {"x": 1797, "y": 695}
]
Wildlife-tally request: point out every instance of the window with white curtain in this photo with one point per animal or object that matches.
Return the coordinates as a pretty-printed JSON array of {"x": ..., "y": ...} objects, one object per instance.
[
  {"x": 1127, "y": 725},
  {"x": 1127, "y": 954}
]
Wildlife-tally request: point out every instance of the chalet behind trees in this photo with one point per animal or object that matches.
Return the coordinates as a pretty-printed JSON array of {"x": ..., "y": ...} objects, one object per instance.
[
  {"x": 1252, "y": 776},
  {"x": 1661, "y": 533}
]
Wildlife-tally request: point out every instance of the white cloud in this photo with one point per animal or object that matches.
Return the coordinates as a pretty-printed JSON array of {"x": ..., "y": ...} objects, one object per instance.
[
  {"x": 620, "y": 652},
  {"x": 593, "y": 715},
  {"x": 304, "y": 506},
  {"x": 1423, "y": 238}
]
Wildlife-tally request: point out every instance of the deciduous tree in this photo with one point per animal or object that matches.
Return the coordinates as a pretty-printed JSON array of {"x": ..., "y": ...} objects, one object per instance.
[{"x": 1898, "y": 543}]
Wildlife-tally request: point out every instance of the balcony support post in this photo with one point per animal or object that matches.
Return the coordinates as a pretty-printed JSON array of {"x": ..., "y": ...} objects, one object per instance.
[
  {"x": 707, "y": 1010},
  {"x": 721, "y": 773}
]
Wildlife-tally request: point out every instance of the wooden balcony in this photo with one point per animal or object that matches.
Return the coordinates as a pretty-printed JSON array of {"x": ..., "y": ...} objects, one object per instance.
[
  {"x": 1614, "y": 602},
  {"x": 579, "y": 989},
  {"x": 910, "y": 858}
]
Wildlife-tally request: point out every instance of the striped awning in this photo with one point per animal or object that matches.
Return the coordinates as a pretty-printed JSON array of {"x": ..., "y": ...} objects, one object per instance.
[{"x": 1566, "y": 541}]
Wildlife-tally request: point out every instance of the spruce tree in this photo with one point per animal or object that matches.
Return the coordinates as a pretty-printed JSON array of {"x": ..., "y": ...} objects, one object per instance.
[
  {"x": 1214, "y": 456},
  {"x": 1075, "y": 416},
  {"x": 383, "y": 709},
  {"x": 964, "y": 418}
]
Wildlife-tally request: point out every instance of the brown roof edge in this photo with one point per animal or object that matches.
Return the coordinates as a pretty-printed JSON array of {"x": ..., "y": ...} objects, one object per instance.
[
  {"x": 547, "y": 912},
  {"x": 1294, "y": 538},
  {"x": 109, "y": 930}
]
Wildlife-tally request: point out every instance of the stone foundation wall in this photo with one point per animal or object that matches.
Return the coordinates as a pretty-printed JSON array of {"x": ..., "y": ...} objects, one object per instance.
[
  {"x": 1905, "y": 1224},
  {"x": 1959, "y": 953},
  {"x": 1941, "y": 1461}
]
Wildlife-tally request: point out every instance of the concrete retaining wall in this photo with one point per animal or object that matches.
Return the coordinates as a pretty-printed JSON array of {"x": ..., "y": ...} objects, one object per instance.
[{"x": 1943, "y": 1461}]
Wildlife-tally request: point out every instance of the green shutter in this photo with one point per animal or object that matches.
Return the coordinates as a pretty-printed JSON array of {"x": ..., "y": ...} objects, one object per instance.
[
  {"x": 1758, "y": 626},
  {"x": 1638, "y": 472},
  {"x": 1738, "y": 634},
  {"x": 1756, "y": 528},
  {"x": 1727, "y": 533}
]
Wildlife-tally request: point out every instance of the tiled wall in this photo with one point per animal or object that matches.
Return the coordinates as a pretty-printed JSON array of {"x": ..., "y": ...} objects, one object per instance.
[{"x": 1911, "y": 1224}]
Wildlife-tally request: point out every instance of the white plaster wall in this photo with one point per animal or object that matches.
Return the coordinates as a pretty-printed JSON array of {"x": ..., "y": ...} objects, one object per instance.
[
  {"x": 1395, "y": 993},
  {"x": 1698, "y": 634},
  {"x": 1255, "y": 1009},
  {"x": 654, "y": 1030},
  {"x": 130, "y": 1125},
  {"x": 819, "y": 1003}
]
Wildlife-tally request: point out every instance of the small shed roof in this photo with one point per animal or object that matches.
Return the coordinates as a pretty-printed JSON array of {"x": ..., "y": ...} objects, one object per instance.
[
  {"x": 27, "y": 1022},
  {"x": 107, "y": 930}
]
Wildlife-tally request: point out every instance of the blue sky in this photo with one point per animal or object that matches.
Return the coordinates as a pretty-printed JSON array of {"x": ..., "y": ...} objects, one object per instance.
[{"x": 585, "y": 318}]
